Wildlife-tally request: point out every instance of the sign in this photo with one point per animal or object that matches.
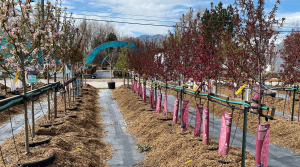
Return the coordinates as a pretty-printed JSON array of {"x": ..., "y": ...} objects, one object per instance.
[
  {"x": 31, "y": 75},
  {"x": 32, "y": 78}
]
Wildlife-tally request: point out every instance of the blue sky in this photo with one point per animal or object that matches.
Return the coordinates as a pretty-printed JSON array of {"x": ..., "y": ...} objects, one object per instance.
[{"x": 159, "y": 11}]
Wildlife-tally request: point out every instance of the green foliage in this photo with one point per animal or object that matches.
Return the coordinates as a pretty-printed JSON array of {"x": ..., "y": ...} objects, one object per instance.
[
  {"x": 218, "y": 18},
  {"x": 122, "y": 60},
  {"x": 143, "y": 148},
  {"x": 111, "y": 37}
]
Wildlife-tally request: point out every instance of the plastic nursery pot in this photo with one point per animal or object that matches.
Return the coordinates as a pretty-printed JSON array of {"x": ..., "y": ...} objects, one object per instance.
[
  {"x": 111, "y": 85},
  {"x": 74, "y": 108},
  {"x": 39, "y": 143}
]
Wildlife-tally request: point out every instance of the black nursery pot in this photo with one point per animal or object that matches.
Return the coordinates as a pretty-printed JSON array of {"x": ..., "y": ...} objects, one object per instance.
[{"x": 111, "y": 85}]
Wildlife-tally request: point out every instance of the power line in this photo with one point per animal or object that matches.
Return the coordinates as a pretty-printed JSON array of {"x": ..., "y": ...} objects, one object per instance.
[
  {"x": 123, "y": 14},
  {"x": 127, "y": 18},
  {"x": 121, "y": 22},
  {"x": 135, "y": 23}
]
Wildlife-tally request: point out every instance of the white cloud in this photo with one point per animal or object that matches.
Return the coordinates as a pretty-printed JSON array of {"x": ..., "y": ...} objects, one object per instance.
[{"x": 156, "y": 9}]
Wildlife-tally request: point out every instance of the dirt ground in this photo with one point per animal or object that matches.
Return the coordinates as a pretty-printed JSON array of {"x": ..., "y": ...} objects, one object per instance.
[
  {"x": 76, "y": 142},
  {"x": 177, "y": 149}
]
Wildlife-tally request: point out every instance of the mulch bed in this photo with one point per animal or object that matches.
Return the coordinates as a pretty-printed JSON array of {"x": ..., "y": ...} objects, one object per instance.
[
  {"x": 168, "y": 149},
  {"x": 76, "y": 142},
  {"x": 283, "y": 131}
]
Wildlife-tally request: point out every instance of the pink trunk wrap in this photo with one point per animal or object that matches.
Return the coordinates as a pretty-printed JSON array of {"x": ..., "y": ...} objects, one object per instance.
[
  {"x": 184, "y": 115},
  {"x": 225, "y": 133},
  {"x": 166, "y": 107},
  {"x": 151, "y": 98},
  {"x": 199, "y": 113},
  {"x": 135, "y": 86},
  {"x": 140, "y": 90},
  {"x": 131, "y": 84},
  {"x": 209, "y": 86},
  {"x": 158, "y": 103},
  {"x": 262, "y": 145},
  {"x": 175, "y": 112},
  {"x": 205, "y": 133}
]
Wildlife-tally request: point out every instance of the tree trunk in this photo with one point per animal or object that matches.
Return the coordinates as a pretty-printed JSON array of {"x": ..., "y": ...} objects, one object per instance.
[
  {"x": 32, "y": 115},
  {"x": 48, "y": 96},
  {"x": 25, "y": 107},
  {"x": 64, "y": 90},
  {"x": 55, "y": 101}
]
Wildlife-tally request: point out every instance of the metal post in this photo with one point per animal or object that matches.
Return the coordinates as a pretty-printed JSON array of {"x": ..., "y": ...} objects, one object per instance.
[
  {"x": 216, "y": 87},
  {"x": 155, "y": 93},
  {"x": 32, "y": 115},
  {"x": 5, "y": 86},
  {"x": 55, "y": 101},
  {"x": 243, "y": 94},
  {"x": 180, "y": 101},
  {"x": 64, "y": 91},
  {"x": 293, "y": 103},
  {"x": 246, "y": 110}
]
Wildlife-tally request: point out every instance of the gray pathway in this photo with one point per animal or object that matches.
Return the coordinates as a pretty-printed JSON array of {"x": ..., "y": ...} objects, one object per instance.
[
  {"x": 123, "y": 143},
  {"x": 18, "y": 120},
  {"x": 278, "y": 155}
]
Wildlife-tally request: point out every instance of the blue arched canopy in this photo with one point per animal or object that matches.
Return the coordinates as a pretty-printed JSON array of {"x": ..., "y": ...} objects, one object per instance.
[{"x": 111, "y": 44}]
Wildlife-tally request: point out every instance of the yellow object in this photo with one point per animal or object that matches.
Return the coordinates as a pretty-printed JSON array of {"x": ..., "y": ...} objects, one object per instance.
[
  {"x": 158, "y": 131},
  {"x": 78, "y": 148},
  {"x": 240, "y": 89},
  {"x": 195, "y": 87},
  {"x": 157, "y": 138},
  {"x": 182, "y": 84},
  {"x": 17, "y": 76},
  {"x": 298, "y": 85},
  {"x": 169, "y": 147},
  {"x": 60, "y": 69},
  {"x": 188, "y": 162}
]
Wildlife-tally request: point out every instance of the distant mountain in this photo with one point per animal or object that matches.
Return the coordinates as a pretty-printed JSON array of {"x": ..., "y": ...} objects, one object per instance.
[{"x": 158, "y": 37}]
